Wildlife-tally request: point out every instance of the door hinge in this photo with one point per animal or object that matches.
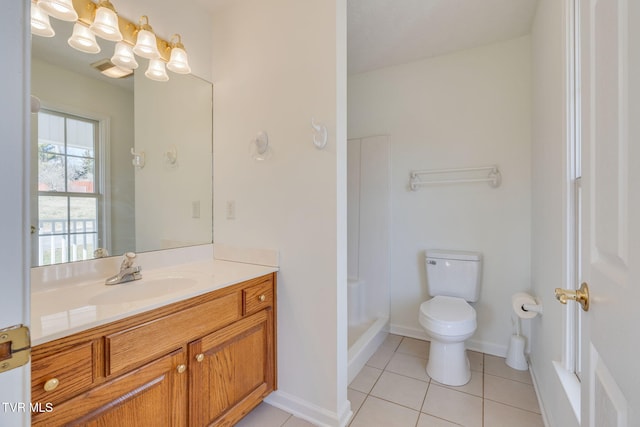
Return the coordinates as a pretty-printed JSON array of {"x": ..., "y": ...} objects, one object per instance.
[{"x": 15, "y": 347}]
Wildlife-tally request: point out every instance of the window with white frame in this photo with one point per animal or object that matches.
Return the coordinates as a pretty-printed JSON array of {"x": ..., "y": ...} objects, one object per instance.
[{"x": 70, "y": 193}]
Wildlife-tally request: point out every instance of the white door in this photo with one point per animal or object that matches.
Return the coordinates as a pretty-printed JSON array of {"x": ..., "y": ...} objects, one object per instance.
[
  {"x": 610, "y": 68},
  {"x": 14, "y": 222}
]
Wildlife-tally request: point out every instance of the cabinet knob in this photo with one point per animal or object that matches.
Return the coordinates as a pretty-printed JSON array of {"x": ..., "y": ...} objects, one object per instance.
[
  {"x": 200, "y": 357},
  {"x": 51, "y": 384},
  {"x": 182, "y": 368},
  {"x": 261, "y": 298}
]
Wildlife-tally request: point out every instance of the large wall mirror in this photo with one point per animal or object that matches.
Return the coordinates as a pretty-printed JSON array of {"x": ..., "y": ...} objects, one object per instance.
[{"x": 118, "y": 165}]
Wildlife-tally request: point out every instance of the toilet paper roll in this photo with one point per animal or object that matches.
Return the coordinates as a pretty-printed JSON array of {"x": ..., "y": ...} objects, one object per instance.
[{"x": 517, "y": 300}]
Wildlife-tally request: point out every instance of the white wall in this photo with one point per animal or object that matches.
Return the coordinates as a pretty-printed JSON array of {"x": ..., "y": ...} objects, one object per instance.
[
  {"x": 549, "y": 157},
  {"x": 76, "y": 93},
  {"x": 466, "y": 109},
  {"x": 277, "y": 64}
]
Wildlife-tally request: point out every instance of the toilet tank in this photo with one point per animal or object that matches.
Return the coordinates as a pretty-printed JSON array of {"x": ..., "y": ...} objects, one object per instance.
[{"x": 454, "y": 273}]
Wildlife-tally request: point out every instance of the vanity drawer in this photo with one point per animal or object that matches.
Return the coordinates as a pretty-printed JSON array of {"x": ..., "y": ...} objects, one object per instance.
[
  {"x": 257, "y": 297},
  {"x": 73, "y": 369},
  {"x": 134, "y": 346}
]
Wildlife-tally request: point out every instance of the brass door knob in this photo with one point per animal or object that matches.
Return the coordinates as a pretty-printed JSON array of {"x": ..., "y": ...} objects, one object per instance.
[
  {"x": 581, "y": 296},
  {"x": 51, "y": 384},
  {"x": 200, "y": 357},
  {"x": 181, "y": 368},
  {"x": 262, "y": 298}
]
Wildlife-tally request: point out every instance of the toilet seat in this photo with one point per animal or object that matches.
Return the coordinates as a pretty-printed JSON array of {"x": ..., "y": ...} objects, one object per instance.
[{"x": 448, "y": 316}]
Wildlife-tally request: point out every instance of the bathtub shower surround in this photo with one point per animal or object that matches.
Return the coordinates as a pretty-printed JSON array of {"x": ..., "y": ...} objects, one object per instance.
[{"x": 368, "y": 236}]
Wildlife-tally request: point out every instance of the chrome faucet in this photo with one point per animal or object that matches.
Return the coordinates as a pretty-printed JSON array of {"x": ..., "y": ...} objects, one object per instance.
[{"x": 128, "y": 271}]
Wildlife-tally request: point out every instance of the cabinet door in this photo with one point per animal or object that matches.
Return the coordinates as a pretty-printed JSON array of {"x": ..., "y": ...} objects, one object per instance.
[
  {"x": 152, "y": 395},
  {"x": 231, "y": 370}
]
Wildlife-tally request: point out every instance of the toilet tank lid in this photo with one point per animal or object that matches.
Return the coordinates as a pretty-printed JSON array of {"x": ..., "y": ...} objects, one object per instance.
[{"x": 456, "y": 255}]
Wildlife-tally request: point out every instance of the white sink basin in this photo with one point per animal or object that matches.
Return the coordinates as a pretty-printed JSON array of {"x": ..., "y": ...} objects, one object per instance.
[{"x": 144, "y": 288}]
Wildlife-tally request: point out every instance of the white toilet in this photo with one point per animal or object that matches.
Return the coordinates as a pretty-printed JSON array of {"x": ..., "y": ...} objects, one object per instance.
[{"x": 453, "y": 279}]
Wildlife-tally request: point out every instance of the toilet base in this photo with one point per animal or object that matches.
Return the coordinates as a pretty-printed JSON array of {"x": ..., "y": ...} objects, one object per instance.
[{"x": 448, "y": 363}]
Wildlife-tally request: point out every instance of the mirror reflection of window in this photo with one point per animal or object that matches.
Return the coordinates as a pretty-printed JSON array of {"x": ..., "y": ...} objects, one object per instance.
[
  {"x": 133, "y": 215},
  {"x": 69, "y": 189}
]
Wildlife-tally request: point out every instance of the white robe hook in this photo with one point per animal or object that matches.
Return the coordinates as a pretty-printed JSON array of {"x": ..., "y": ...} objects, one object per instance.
[{"x": 319, "y": 135}]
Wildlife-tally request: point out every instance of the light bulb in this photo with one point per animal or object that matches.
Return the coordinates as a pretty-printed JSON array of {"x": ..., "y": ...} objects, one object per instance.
[
  {"x": 179, "y": 62},
  {"x": 83, "y": 39},
  {"x": 157, "y": 71},
  {"x": 40, "y": 25},
  {"x": 105, "y": 24},
  {"x": 146, "y": 45},
  {"x": 123, "y": 56},
  {"x": 60, "y": 9}
]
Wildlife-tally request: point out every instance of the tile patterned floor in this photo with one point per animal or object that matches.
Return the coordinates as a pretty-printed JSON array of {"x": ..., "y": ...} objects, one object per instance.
[
  {"x": 393, "y": 390},
  {"x": 265, "y": 415}
]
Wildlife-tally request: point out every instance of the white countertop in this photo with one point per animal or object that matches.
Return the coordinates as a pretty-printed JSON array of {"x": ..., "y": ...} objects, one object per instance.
[{"x": 60, "y": 311}]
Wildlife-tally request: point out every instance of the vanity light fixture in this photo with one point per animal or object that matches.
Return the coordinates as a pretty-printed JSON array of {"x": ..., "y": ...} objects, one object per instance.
[
  {"x": 157, "y": 71},
  {"x": 179, "y": 62},
  {"x": 99, "y": 18},
  {"x": 123, "y": 56},
  {"x": 146, "y": 43},
  {"x": 61, "y": 9},
  {"x": 83, "y": 39},
  {"x": 105, "y": 23},
  {"x": 40, "y": 24}
]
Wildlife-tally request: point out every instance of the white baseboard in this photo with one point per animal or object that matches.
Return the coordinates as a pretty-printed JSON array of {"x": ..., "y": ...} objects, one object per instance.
[
  {"x": 345, "y": 414},
  {"x": 474, "y": 345},
  {"x": 487, "y": 348},
  {"x": 534, "y": 379},
  {"x": 308, "y": 411}
]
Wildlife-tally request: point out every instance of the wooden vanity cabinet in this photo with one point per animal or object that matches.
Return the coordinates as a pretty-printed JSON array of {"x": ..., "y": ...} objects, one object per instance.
[
  {"x": 204, "y": 361},
  {"x": 152, "y": 395},
  {"x": 237, "y": 363}
]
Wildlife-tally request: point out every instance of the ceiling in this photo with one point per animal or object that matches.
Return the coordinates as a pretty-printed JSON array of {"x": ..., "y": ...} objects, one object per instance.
[{"x": 382, "y": 33}]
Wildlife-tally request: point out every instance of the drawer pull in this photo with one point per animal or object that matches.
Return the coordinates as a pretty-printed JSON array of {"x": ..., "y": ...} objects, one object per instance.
[
  {"x": 262, "y": 297},
  {"x": 182, "y": 368},
  {"x": 200, "y": 357},
  {"x": 51, "y": 384}
]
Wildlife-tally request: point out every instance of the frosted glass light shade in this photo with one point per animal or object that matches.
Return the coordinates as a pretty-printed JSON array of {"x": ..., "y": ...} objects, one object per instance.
[
  {"x": 40, "y": 25},
  {"x": 179, "y": 62},
  {"x": 123, "y": 57},
  {"x": 146, "y": 45},
  {"x": 105, "y": 25},
  {"x": 157, "y": 71},
  {"x": 61, "y": 9},
  {"x": 83, "y": 39}
]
